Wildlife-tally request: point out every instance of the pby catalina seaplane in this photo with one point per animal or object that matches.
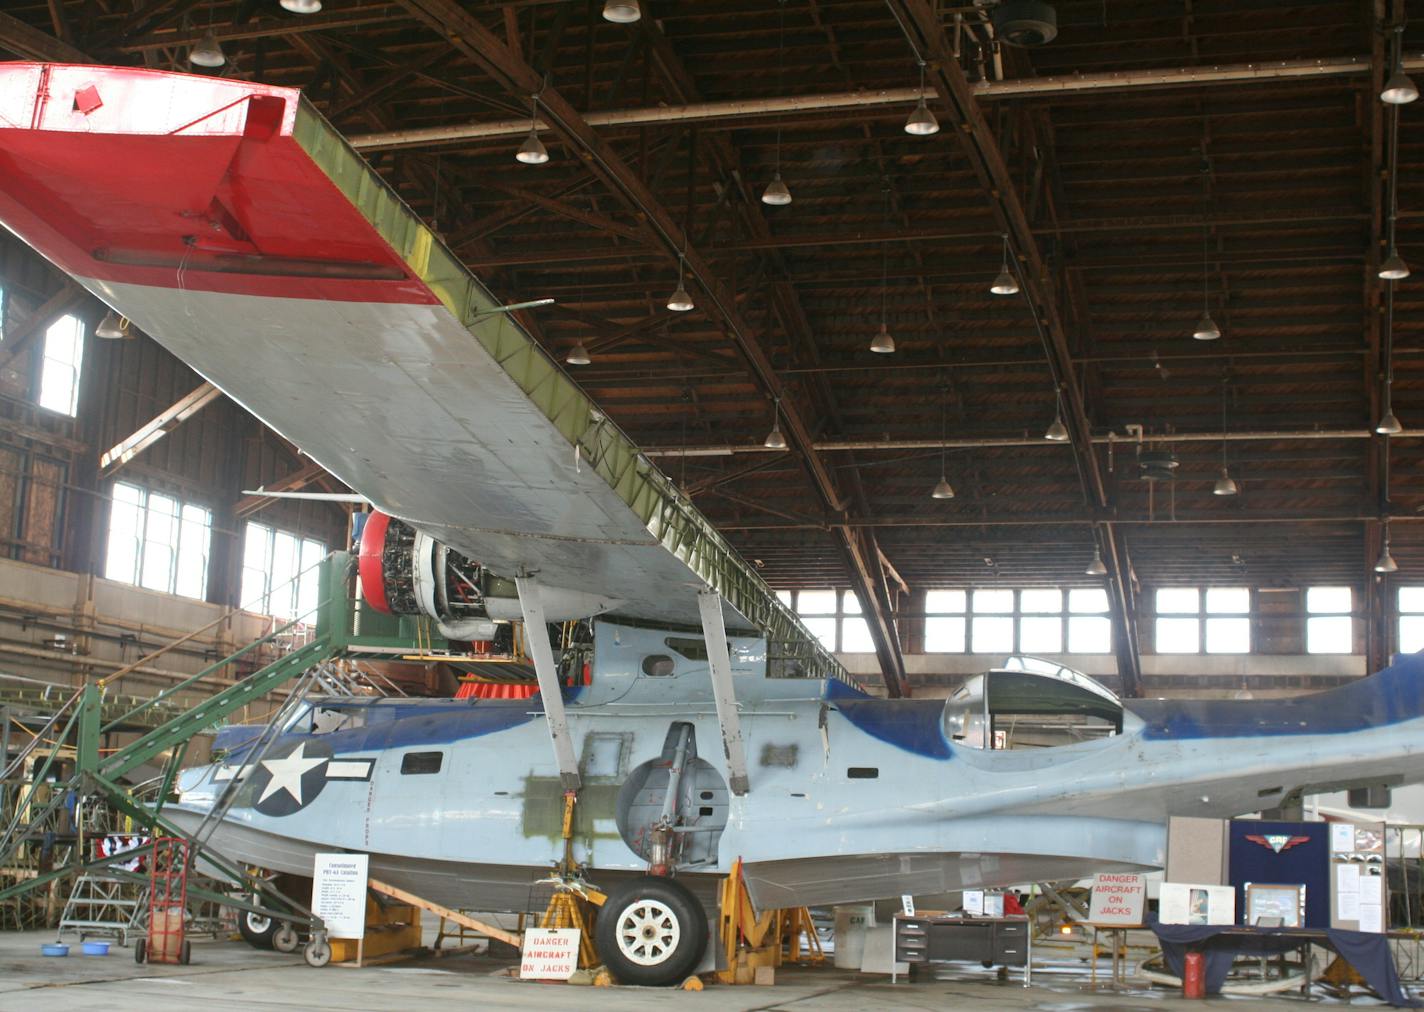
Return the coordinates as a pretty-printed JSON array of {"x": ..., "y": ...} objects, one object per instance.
[{"x": 231, "y": 223}]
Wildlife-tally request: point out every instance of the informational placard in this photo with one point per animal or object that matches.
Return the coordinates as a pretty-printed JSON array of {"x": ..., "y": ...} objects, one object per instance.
[
  {"x": 993, "y": 904},
  {"x": 1358, "y": 890},
  {"x": 907, "y": 904},
  {"x": 1118, "y": 898},
  {"x": 339, "y": 893},
  {"x": 974, "y": 902},
  {"x": 1188, "y": 903},
  {"x": 549, "y": 953}
]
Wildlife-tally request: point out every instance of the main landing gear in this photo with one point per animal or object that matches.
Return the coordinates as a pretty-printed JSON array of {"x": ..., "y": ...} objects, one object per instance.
[{"x": 651, "y": 931}]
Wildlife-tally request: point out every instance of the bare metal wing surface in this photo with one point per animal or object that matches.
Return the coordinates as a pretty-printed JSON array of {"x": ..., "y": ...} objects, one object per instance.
[{"x": 230, "y": 222}]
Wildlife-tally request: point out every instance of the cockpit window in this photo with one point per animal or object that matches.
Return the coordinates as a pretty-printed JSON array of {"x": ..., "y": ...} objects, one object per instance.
[{"x": 1030, "y": 703}]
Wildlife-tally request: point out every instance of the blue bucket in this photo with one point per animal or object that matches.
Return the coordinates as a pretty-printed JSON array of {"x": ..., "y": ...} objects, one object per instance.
[
  {"x": 54, "y": 949},
  {"x": 96, "y": 948}
]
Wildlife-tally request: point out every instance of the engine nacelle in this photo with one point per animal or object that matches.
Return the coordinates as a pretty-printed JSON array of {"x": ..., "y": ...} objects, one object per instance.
[{"x": 406, "y": 572}]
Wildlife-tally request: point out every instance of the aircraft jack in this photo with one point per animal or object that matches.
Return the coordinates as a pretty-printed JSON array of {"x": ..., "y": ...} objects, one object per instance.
[
  {"x": 573, "y": 904},
  {"x": 755, "y": 946}
]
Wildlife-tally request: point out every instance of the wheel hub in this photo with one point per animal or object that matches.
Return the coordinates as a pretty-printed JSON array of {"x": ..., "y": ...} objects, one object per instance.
[{"x": 648, "y": 932}]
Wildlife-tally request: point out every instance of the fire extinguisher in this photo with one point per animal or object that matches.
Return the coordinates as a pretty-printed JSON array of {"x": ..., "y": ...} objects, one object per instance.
[{"x": 1194, "y": 976}]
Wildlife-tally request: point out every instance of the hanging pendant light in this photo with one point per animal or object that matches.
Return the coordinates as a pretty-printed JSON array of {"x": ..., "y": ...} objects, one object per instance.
[
  {"x": 943, "y": 489},
  {"x": 578, "y": 355},
  {"x": 302, "y": 6},
  {"x": 774, "y": 439},
  {"x": 1399, "y": 89},
  {"x": 1206, "y": 328},
  {"x": 922, "y": 122},
  {"x": 207, "y": 53},
  {"x": 1389, "y": 424},
  {"x": 622, "y": 12},
  {"x": 680, "y": 301},
  {"x": 1393, "y": 267},
  {"x": 1385, "y": 563},
  {"x": 882, "y": 343},
  {"x": 1097, "y": 567},
  {"x": 777, "y": 193},
  {"x": 112, "y": 327},
  {"x": 1057, "y": 432},
  {"x": 1225, "y": 484},
  {"x": 532, "y": 151},
  {"x": 1005, "y": 283}
]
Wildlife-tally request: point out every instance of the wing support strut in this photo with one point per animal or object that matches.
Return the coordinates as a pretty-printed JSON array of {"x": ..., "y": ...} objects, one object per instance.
[
  {"x": 536, "y": 635},
  {"x": 714, "y": 631}
]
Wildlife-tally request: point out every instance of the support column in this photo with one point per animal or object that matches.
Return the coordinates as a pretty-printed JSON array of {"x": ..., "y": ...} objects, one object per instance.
[
  {"x": 536, "y": 635},
  {"x": 714, "y": 631}
]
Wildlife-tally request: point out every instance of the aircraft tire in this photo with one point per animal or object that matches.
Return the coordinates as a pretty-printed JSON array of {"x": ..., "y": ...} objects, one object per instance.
[
  {"x": 255, "y": 929},
  {"x": 652, "y": 931}
]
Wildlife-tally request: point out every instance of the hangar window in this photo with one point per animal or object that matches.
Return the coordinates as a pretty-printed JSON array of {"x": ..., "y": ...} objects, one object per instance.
[
  {"x": 945, "y": 621},
  {"x": 1035, "y": 620},
  {"x": 1411, "y": 619},
  {"x": 279, "y": 576},
  {"x": 158, "y": 542},
  {"x": 1216, "y": 620},
  {"x": 59, "y": 366},
  {"x": 1329, "y": 628},
  {"x": 833, "y": 617}
]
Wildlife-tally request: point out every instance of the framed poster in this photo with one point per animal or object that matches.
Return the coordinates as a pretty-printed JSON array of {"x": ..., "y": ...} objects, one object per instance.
[
  {"x": 1281, "y": 906},
  {"x": 1186, "y": 903}
]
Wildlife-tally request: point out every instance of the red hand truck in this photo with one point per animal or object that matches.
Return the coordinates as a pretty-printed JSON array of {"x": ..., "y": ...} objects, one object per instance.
[{"x": 167, "y": 904}]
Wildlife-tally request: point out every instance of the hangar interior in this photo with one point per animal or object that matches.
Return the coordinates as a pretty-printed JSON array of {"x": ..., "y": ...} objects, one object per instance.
[{"x": 1081, "y": 331}]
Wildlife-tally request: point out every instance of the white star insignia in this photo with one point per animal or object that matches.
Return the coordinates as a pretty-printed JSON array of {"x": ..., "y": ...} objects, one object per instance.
[{"x": 287, "y": 773}]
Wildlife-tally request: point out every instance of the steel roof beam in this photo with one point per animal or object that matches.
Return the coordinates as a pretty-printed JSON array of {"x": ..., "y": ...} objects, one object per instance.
[{"x": 925, "y": 32}]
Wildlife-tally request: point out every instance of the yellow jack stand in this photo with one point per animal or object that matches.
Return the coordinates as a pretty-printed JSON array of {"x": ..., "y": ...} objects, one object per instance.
[
  {"x": 572, "y": 907},
  {"x": 751, "y": 944}
]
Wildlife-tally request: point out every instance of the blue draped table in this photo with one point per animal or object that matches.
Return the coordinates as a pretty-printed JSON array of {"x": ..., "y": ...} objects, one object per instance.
[{"x": 1368, "y": 952}]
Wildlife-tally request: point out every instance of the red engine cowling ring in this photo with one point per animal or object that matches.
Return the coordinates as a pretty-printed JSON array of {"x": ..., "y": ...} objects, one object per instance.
[{"x": 369, "y": 566}]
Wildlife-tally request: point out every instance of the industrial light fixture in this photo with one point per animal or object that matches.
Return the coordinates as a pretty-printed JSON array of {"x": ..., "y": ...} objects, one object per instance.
[
  {"x": 1399, "y": 89},
  {"x": 679, "y": 301},
  {"x": 943, "y": 489},
  {"x": 1385, "y": 563},
  {"x": 578, "y": 355},
  {"x": 207, "y": 53},
  {"x": 1097, "y": 567},
  {"x": 1206, "y": 328},
  {"x": 777, "y": 193},
  {"x": 1005, "y": 284},
  {"x": 922, "y": 122},
  {"x": 1057, "y": 432},
  {"x": 882, "y": 343},
  {"x": 1389, "y": 425},
  {"x": 774, "y": 439},
  {"x": 1393, "y": 267},
  {"x": 622, "y": 12},
  {"x": 1392, "y": 270},
  {"x": 532, "y": 151},
  {"x": 302, "y": 6},
  {"x": 1225, "y": 484},
  {"x": 112, "y": 327}
]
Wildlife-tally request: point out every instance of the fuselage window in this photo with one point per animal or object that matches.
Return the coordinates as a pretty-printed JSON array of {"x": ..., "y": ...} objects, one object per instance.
[
  {"x": 863, "y": 773},
  {"x": 421, "y": 762}
]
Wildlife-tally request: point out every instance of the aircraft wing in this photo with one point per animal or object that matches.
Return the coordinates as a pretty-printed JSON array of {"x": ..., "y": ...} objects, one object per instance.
[{"x": 231, "y": 223}]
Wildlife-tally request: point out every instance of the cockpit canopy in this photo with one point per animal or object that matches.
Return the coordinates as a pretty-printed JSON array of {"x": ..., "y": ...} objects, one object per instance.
[{"x": 1029, "y": 702}]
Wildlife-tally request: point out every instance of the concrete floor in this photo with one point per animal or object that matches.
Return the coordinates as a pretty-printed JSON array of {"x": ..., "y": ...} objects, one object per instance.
[{"x": 231, "y": 975}]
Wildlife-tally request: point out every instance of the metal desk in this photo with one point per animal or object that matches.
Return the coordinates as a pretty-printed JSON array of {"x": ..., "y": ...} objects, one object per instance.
[{"x": 940, "y": 938}]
